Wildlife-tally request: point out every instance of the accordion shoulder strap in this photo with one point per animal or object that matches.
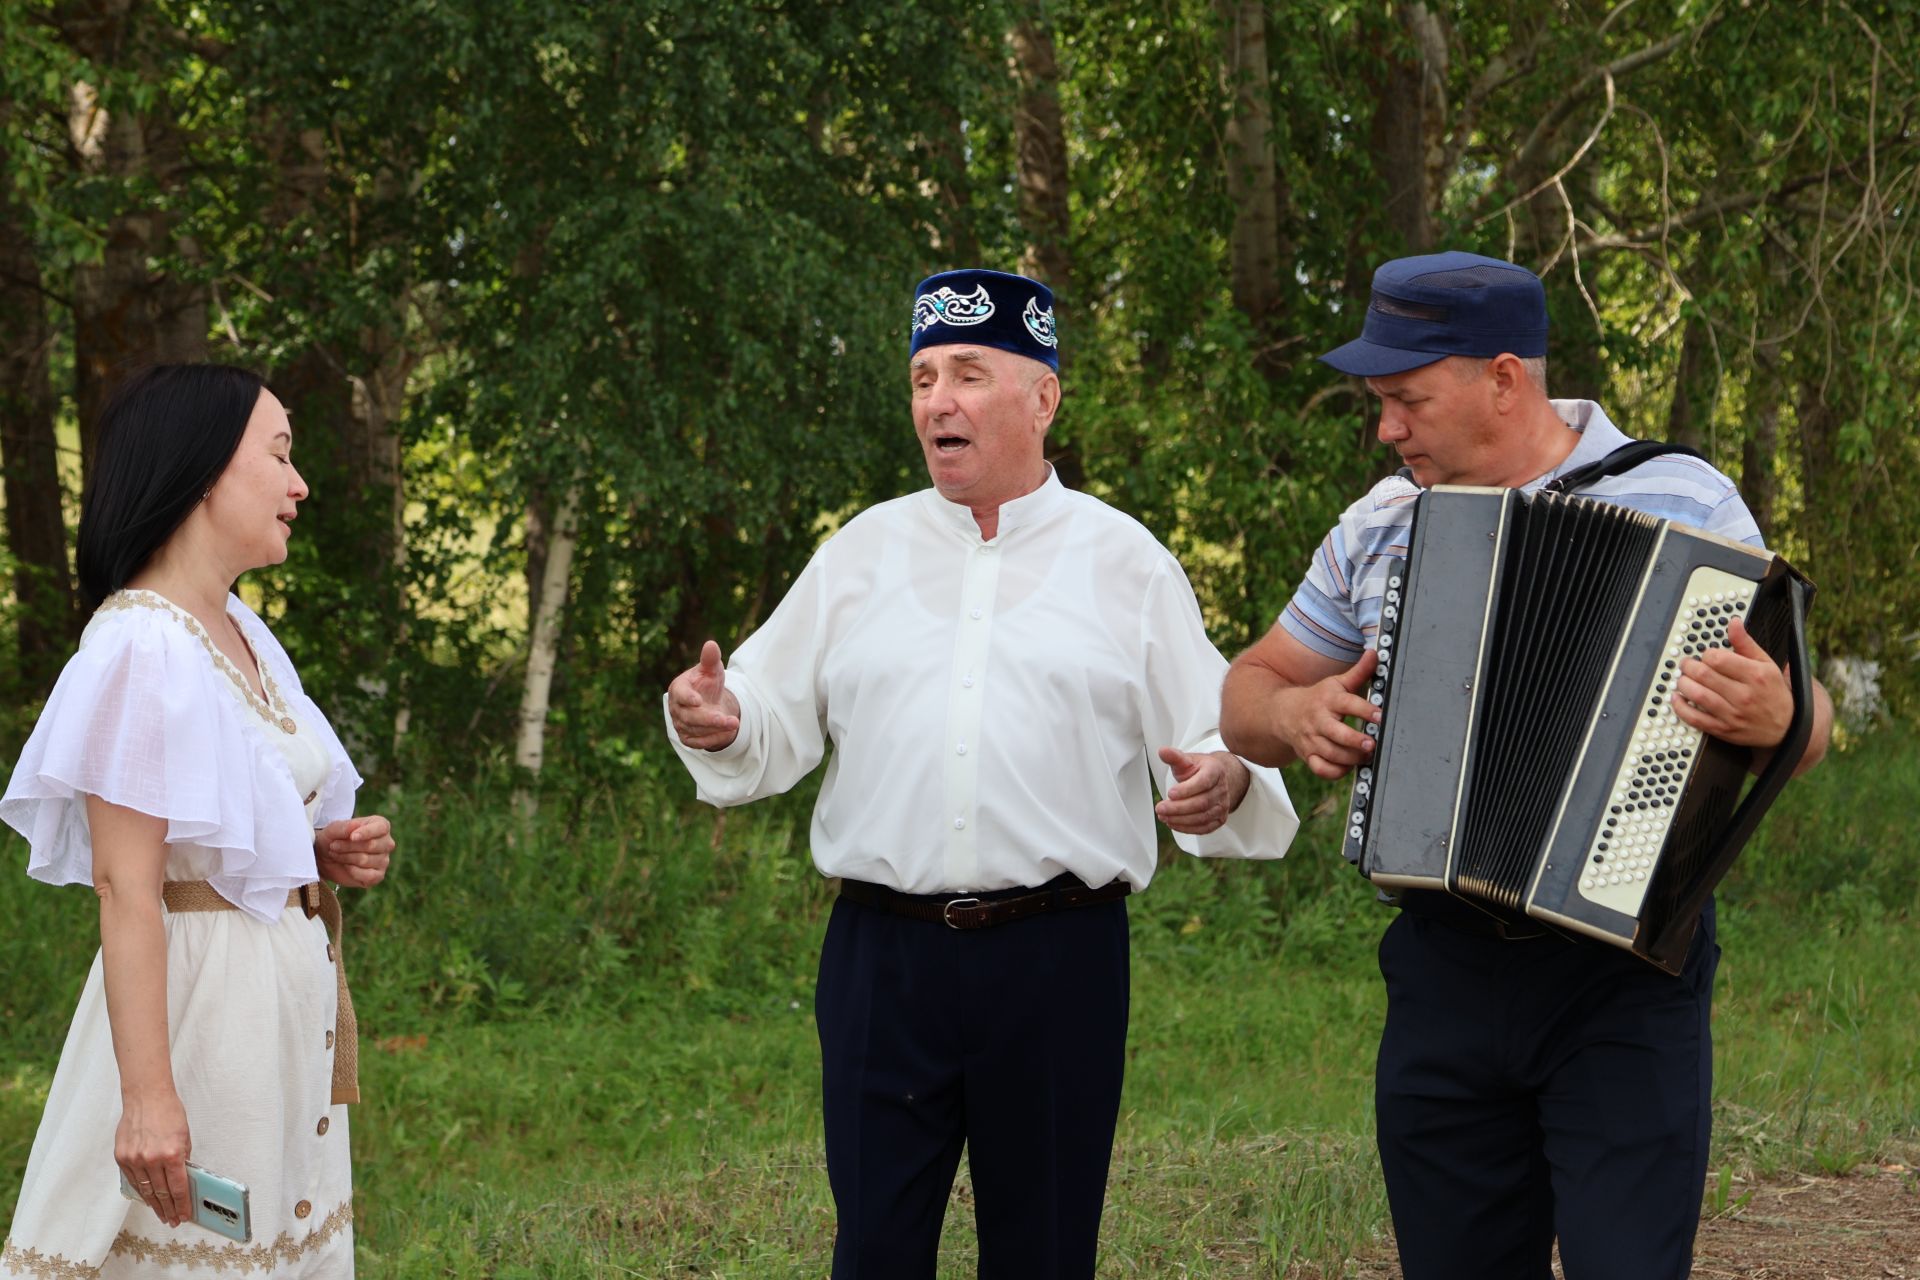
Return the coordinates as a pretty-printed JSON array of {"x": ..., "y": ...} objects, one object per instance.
[{"x": 1620, "y": 461}]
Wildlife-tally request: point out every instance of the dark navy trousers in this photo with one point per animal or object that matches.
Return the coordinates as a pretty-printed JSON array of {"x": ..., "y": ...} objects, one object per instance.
[
  {"x": 1528, "y": 1089},
  {"x": 1010, "y": 1041}
]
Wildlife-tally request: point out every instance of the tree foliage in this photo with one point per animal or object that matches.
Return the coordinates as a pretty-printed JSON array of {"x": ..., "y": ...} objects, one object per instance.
[{"x": 655, "y": 259}]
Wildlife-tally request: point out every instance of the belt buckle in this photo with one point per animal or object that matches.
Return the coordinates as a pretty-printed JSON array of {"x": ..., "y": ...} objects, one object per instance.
[{"x": 946, "y": 913}]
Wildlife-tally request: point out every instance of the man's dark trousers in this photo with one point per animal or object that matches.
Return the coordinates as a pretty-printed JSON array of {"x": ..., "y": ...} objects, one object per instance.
[
  {"x": 1010, "y": 1040},
  {"x": 1528, "y": 1089}
]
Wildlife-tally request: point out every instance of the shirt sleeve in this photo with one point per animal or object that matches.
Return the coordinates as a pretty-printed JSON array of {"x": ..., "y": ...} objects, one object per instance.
[
  {"x": 138, "y": 718},
  {"x": 1180, "y": 707},
  {"x": 1335, "y": 610},
  {"x": 775, "y": 675},
  {"x": 1732, "y": 519}
]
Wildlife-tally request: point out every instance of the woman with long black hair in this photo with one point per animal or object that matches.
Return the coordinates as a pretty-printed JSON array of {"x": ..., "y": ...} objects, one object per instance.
[{"x": 181, "y": 770}]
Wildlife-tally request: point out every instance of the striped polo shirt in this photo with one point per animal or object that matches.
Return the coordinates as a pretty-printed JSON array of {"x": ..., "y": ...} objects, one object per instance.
[{"x": 1336, "y": 611}]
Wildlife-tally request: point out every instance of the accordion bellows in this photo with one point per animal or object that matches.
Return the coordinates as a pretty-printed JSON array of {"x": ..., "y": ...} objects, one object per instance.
[{"x": 1529, "y": 760}]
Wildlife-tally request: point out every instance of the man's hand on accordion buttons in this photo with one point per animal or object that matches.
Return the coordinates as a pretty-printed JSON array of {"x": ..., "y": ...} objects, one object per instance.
[
  {"x": 1317, "y": 726},
  {"x": 1737, "y": 694}
]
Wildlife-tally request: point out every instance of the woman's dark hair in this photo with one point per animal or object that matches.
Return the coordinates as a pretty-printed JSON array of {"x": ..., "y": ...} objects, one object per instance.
[{"x": 165, "y": 436}]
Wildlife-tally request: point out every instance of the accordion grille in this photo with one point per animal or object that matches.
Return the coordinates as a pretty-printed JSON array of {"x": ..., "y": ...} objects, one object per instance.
[{"x": 1570, "y": 579}]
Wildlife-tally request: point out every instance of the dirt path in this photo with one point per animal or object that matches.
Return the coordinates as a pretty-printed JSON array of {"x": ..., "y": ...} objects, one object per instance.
[
  {"x": 1865, "y": 1226},
  {"x": 1862, "y": 1227}
]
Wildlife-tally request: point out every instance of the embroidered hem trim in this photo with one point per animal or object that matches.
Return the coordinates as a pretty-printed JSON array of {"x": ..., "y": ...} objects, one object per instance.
[
  {"x": 237, "y": 1258},
  {"x": 36, "y": 1263}
]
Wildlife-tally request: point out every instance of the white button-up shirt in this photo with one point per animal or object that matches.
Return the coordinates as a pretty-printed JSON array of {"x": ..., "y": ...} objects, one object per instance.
[{"x": 994, "y": 706}]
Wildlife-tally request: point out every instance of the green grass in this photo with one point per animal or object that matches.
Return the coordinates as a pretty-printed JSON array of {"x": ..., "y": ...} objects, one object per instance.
[{"x": 588, "y": 1046}]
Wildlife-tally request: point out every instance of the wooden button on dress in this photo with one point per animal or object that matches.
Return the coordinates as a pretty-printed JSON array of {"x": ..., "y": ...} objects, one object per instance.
[
  {"x": 302, "y": 1209},
  {"x": 321, "y": 1128}
]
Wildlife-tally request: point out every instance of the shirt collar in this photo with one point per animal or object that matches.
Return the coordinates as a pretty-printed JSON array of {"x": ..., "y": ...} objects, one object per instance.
[
  {"x": 1598, "y": 438},
  {"x": 1024, "y": 510}
]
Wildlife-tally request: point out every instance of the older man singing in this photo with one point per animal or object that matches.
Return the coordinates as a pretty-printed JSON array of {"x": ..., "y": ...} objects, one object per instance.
[{"x": 1004, "y": 668}]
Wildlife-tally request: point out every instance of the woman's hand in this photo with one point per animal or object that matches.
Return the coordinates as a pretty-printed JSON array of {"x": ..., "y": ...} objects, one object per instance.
[
  {"x": 151, "y": 1147},
  {"x": 354, "y": 852}
]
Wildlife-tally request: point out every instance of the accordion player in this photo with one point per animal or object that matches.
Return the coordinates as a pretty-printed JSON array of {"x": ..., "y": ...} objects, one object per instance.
[{"x": 1528, "y": 759}]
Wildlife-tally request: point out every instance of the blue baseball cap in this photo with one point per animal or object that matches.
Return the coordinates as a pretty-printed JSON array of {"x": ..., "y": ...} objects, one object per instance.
[
  {"x": 988, "y": 309},
  {"x": 1445, "y": 304}
]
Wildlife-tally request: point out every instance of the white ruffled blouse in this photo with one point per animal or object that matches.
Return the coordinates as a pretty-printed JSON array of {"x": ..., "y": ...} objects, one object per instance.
[{"x": 145, "y": 715}]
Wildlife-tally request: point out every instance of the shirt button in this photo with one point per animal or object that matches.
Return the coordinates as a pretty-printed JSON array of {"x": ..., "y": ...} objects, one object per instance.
[
  {"x": 329, "y": 1039},
  {"x": 966, "y": 682},
  {"x": 975, "y": 613},
  {"x": 961, "y": 749},
  {"x": 302, "y": 1209},
  {"x": 321, "y": 1128},
  {"x": 959, "y": 824}
]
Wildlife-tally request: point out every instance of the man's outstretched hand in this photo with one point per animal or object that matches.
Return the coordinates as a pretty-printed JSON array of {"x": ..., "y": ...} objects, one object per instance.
[
  {"x": 1207, "y": 787},
  {"x": 704, "y": 714}
]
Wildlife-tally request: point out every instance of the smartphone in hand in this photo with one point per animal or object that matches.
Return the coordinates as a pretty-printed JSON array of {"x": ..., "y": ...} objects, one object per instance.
[{"x": 219, "y": 1204}]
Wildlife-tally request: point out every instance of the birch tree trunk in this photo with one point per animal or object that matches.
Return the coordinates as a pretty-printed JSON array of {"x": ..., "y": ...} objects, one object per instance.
[
  {"x": 36, "y": 526},
  {"x": 1040, "y": 144},
  {"x": 1757, "y": 484},
  {"x": 1253, "y": 181},
  {"x": 125, "y": 311},
  {"x": 543, "y": 646},
  {"x": 1695, "y": 384},
  {"x": 1409, "y": 128},
  {"x": 346, "y": 388},
  {"x": 948, "y": 151}
]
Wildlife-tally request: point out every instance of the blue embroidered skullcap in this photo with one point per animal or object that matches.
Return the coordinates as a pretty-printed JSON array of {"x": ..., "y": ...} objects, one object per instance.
[
  {"x": 1445, "y": 304},
  {"x": 987, "y": 309}
]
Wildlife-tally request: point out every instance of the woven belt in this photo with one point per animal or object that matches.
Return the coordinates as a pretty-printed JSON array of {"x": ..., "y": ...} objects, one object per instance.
[
  {"x": 316, "y": 899},
  {"x": 983, "y": 911}
]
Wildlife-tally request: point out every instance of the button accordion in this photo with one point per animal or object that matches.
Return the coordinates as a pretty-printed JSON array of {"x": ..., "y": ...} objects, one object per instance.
[{"x": 1529, "y": 760}]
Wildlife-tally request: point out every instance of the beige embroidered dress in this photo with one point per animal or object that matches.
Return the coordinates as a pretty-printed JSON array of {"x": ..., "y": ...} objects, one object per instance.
[{"x": 149, "y": 715}]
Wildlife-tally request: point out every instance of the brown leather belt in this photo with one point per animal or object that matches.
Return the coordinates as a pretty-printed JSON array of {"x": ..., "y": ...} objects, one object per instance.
[
  {"x": 983, "y": 910},
  {"x": 316, "y": 899}
]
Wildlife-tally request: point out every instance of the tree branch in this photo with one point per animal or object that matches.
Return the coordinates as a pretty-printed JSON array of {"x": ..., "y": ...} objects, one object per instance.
[
  {"x": 21, "y": 282},
  {"x": 1499, "y": 72},
  {"x": 1597, "y": 79},
  {"x": 1644, "y": 237},
  {"x": 1553, "y": 180}
]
